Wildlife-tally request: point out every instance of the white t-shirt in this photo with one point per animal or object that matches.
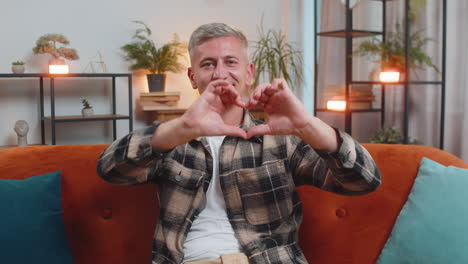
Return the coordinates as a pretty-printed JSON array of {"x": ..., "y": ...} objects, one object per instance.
[{"x": 211, "y": 233}]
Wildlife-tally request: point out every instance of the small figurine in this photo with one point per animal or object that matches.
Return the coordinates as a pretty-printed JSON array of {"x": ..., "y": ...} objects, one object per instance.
[{"x": 21, "y": 129}]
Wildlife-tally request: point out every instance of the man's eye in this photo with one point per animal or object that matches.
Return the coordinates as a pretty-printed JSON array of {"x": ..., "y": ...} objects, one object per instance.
[
  {"x": 207, "y": 64},
  {"x": 231, "y": 62}
]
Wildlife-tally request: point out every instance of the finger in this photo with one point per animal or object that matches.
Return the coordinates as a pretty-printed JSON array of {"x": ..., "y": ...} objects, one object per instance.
[
  {"x": 259, "y": 90},
  {"x": 264, "y": 98},
  {"x": 262, "y": 129},
  {"x": 224, "y": 94},
  {"x": 251, "y": 103},
  {"x": 254, "y": 98},
  {"x": 236, "y": 98},
  {"x": 233, "y": 131},
  {"x": 212, "y": 86},
  {"x": 271, "y": 90},
  {"x": 280, "y": 84}
]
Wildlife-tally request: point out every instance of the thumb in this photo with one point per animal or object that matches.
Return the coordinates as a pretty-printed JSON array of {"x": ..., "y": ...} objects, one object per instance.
[
  {"x": 262, "y": 129},
  {"x": 233, "y": 131}
]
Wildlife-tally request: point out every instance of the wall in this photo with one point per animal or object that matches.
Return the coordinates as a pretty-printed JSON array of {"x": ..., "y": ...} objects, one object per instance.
[{"x": 104, "y": 26}]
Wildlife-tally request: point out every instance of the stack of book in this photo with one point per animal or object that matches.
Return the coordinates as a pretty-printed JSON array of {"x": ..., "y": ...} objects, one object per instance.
[
  {"x": 159, "y": 100},
  {"x": 360, "y": 97}
]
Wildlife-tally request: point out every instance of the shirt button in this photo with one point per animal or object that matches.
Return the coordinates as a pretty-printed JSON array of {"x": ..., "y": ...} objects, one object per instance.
[{"x": 178, "y": 178}]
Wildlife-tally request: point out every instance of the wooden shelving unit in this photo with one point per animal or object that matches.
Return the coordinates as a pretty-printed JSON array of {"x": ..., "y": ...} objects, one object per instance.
[{"x": 53, "y": 119}]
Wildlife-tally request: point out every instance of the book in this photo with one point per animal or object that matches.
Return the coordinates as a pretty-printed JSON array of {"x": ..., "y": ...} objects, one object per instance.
[
  {"x": 159, "y": 103},
  {"x": 360, "y": 105},
  {"x": 356, "y": 90},
  {"x": 159, "y": 107},
  {"x": 154, "y": 99},
  {"x": 370, "y": 98},
  {"x": 159, "y": 94},
  {"x": 159, "y": 99}
]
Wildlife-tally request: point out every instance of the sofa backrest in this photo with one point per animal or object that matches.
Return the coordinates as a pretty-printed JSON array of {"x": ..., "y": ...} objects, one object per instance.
[
  {"x": 114, "y": 224},
  {"x": 104, "y": 223},
  {"x": 354, "y": 229}
]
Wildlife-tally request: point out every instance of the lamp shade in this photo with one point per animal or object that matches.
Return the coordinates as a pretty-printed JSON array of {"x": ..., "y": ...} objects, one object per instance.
[
  {"x": 389, "y": 76},
  {"x": 58, "y": 66},
  {"x": 336, "y": 105},
  {"x": 58, "y": 69}
]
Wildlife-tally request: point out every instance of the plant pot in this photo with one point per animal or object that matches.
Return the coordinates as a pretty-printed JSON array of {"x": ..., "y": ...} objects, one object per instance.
[
  {"x": 157, "y": 82},
  {"x": 87, "y": 111},
  {"x": 18, "y": 69}
]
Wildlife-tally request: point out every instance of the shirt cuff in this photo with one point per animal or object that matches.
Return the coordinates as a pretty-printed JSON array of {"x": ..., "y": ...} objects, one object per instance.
[
  {"x": 140, "y": 149},
  {"x": 346, "y": 154}
]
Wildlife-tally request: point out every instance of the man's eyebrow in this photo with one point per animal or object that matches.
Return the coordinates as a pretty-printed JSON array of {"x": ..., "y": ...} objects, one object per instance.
[
  {"x": 207, "y": 59},
  {"x": 231, "y": 57},
  {"x": 225, "y": 57}
]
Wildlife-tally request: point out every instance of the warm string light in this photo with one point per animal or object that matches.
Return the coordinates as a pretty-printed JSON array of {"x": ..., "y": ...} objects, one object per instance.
[
  {"x": 58, "y": 69},
  {"x": 389, "y": 76},
  {"x": 336, "y": 105}
]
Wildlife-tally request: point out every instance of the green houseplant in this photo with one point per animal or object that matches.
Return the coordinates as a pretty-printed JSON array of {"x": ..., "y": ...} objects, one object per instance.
[
  {"x": 390, "y": 135},
  {"x": 274, "y": 57},
  {"x": 391, "y": 53},
  {"x": 144, "y": 55},
  {"x": 87, "y": 108},
  {"x": 17, "y": 67},
  {"x": 48, "y": 44}
]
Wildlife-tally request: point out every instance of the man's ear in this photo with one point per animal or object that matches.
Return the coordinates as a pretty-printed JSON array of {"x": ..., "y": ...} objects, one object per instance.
[
  {"x": 250, "y": 74},
  {"x": 192, "y": 79}
]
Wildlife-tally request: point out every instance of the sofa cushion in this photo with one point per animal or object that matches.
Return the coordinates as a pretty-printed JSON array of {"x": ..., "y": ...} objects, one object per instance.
[
  {"x": 432, "y": 225},
  {"x": 31, "y": 226}
]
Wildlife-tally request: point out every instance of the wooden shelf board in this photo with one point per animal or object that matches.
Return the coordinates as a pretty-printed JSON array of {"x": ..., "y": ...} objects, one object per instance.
[
  {"x": 86, "y": 118},
  {"x": 353, "y": 33}
]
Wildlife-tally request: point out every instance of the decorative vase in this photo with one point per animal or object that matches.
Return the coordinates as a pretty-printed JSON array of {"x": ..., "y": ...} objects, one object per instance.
[
  {"x": 18, "y": 69},
  {"x": 87, "y": 111},
  {"x": 156, "y": 82}
]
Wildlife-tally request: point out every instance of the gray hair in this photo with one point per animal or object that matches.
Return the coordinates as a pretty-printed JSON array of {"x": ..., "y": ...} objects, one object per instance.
[{"x": 214, "y": 30}]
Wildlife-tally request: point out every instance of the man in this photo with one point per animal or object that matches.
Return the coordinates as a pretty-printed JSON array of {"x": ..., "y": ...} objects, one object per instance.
[{"x": 226, "y": 183}]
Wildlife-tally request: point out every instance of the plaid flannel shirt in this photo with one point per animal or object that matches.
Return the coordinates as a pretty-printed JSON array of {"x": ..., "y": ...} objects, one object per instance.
[{"x": 258, "y": 178}]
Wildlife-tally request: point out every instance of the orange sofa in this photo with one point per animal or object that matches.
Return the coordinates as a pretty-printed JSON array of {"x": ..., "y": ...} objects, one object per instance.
[{"x": 114, "y": 224}]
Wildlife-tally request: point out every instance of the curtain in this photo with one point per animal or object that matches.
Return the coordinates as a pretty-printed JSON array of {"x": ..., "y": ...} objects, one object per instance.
[
  {"x": 424, "y": 100},
  {"x": 457, "y": 80}
]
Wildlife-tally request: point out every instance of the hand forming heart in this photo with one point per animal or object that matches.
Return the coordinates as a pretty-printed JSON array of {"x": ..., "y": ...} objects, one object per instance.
[{"x": 210, "y": 114}]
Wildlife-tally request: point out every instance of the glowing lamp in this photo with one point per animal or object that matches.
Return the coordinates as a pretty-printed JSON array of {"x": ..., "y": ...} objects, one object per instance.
[
  {"x": 336, "y": 105},
  {"x": 389, "y": 76},
  {"x": 58, "y": 69}
]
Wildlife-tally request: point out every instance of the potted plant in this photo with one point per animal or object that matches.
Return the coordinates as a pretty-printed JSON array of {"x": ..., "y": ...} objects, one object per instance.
[
  {"x": 391, "y": 53},
  {"x": 47, "y": 44},
  {"x": 390, "y": 135},
  {"x": 274, "y": 57},
  {"x": 17, "y": 67},
  {"x": 144, "y": 55},
  {"x": 87, "y": 108}
]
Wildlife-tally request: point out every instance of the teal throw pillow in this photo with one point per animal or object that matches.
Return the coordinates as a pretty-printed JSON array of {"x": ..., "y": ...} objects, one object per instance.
[
  {"x": 433, "y": 225},
  {"x": 31, "y": 223}
]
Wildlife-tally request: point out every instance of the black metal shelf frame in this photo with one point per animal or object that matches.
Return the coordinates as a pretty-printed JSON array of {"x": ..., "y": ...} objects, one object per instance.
[
  {"x": 58, "y": 119},
  {"x": 349, "y": 33}
]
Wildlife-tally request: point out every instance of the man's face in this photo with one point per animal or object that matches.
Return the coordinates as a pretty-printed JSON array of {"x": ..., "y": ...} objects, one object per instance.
[{"x": 222, "y": 58}]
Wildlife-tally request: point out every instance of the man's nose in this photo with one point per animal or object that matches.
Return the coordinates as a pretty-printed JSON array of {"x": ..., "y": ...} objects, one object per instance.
[{"x": 220, "y": 72}]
